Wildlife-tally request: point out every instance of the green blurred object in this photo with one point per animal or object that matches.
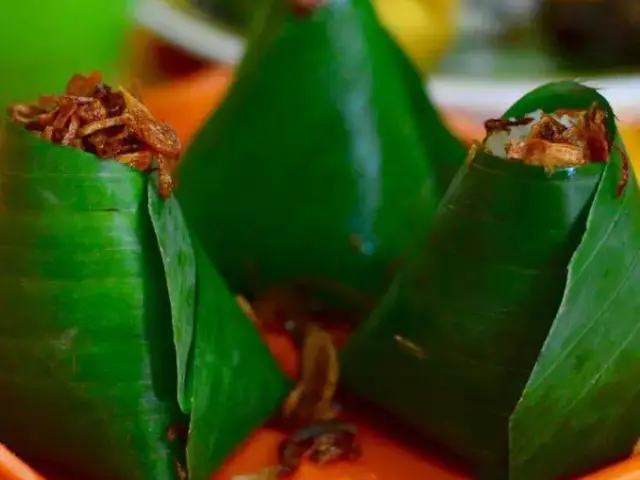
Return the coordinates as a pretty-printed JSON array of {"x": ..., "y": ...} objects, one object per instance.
[
  {"x": 511, "y": 338},
  {"x": 325, "y": 162},
  {"x": 108, "y": 317},
  {"x": 43, "y": 43}
]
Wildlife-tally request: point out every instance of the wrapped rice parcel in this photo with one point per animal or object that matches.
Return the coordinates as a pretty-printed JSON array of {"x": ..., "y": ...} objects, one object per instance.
[
  {"x": 325, "y": 161},
  {"x": 119, "y": 342},
  {"x": 512, "y": 337}
]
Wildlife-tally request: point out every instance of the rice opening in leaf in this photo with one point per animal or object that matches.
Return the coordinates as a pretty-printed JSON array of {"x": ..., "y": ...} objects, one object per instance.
[{"x": 565, "y": 138}]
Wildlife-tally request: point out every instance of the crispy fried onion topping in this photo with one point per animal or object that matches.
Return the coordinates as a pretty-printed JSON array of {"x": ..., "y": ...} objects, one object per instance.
[
  {"x": 566, "y": 138},
  {"x": 108, "y": 123}
]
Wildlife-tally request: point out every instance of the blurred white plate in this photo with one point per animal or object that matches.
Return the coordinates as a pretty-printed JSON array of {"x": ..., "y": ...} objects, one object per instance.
[
  {"x": 490, "y": 96},
  {"x": 487, "y": 97},
  {"x": 197, "y": 36}
]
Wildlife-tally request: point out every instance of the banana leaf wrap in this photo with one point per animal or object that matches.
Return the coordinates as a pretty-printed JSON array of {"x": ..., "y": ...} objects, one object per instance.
[
  {"x": 237, "y": 383},
  {"x": 512, "y": 336},
  {"x": 99, "y": 306},
  {"x": 325, "y": 161}
]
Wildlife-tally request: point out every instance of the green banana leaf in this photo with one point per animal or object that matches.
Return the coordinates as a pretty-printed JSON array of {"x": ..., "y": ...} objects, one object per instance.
[
  {"x": 178, "y": 258},
  {"x": 89, "y": 366},
  {"x": 511, "y": 337},
  {"x": 325, "y": 161},
  {"x": 101, "y": 297},
  {"x": 248, "y": 389}
]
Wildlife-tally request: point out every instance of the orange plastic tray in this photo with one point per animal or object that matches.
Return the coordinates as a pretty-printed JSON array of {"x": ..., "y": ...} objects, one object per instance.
[{"x": 383, "y": 459}]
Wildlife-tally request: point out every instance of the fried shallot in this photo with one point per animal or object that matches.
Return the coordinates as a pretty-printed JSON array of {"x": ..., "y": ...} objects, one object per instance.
[
  {"x": 565, "y": 138},
  {"x": 108, "y": 123}
]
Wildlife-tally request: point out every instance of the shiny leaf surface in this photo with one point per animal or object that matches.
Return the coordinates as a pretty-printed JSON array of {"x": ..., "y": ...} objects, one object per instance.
[
  {"x": 89, "y": 365},
  {"x": 236, "y": 381},
  {"x": 579, "y": 408},
  {"x": 174, "y": 242},
  {"x": 521, "y": 272},
  {"x": 325, "y": 162},
  {"x": 100, "y": 294}
]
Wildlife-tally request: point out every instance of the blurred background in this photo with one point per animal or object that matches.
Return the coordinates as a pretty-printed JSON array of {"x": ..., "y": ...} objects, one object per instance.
[{"x": 478, "y": 55}]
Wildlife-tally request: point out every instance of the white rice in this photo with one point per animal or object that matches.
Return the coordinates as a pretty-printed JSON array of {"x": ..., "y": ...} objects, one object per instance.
[{"x": 495, "y": 143}]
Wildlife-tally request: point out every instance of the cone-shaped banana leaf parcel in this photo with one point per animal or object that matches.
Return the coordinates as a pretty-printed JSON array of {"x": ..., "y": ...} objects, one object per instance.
[
  {"x": 108, "y": 317},
  {"x": 324, "y": 161},
  {"x": 513, "y": 337}
]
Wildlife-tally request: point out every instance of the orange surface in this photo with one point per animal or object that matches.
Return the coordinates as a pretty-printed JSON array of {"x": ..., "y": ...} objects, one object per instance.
[
  {"x": 627, "y": 470},
  {"x": 185, "y": 103},
  {"x": 382, "y": 459},
  {"x": 12, "y": 468}
]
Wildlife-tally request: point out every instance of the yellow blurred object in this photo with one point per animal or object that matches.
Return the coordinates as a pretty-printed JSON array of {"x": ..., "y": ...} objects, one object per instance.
[
  {"x": 423, "y": 28},
  {"x": 630, "y": 134}
]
